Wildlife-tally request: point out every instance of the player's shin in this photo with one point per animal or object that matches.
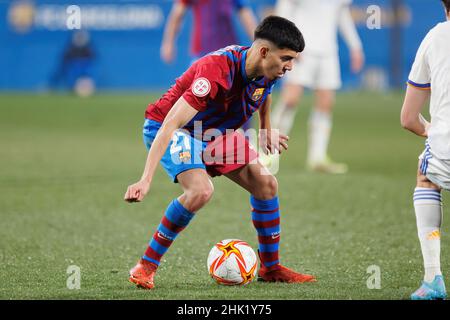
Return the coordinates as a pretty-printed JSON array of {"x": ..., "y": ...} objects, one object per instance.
[
  {"x": 428, "y": 209},
  {"x": 266, "y": 219},
  {"x": 320, "y": 124},
  {"x": 175, "y": 219}
]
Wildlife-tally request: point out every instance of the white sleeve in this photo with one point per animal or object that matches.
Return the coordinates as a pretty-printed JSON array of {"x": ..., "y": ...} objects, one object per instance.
[
  {"x": 419, "y": 75},
  {"x": 348, "y": 29},
  {"x": 285, "y": 9}
]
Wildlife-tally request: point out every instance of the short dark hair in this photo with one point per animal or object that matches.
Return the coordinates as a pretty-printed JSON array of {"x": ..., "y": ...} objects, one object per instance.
[
  {"x": 282, "y": 32},
  {"x": 446, "y": 5}
]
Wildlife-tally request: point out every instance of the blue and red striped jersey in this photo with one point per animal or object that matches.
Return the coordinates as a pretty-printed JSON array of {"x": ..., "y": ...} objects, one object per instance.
[
  {"x": 217, "y": 86},
  {"x": 213, "y": 26}
]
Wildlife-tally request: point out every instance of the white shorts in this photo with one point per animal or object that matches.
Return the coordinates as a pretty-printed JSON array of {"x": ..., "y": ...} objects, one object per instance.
[
  {"x": 315, "y": 72},
  {"x": 436, "y": 170}
]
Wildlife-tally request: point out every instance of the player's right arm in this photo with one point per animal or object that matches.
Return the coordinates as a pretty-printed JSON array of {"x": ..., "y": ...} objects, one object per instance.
[
  {"x": 418, "y": 92},
  {"x": 411, "y": 118},
  {"x": 171, "y": 31},
  {"x": 180, "y": 114}
]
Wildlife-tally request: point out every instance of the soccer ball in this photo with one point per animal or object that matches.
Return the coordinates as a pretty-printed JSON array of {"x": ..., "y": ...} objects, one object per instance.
[{"x": 232, "y": 262}]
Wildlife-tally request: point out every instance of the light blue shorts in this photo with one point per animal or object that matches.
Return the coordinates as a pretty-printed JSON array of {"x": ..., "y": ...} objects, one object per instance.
[{"x": 183, "y": 153}]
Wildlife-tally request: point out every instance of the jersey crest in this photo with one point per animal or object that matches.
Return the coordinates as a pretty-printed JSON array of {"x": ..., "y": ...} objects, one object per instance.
[{"x": 257, "y": 94}]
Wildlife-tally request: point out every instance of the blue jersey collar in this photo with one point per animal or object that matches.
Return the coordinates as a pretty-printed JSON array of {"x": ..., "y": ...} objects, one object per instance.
[{"x": 243, "y": 60}]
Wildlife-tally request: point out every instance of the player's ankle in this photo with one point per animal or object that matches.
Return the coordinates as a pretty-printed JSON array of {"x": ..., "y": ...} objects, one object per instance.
[{"x": 148, "y": 264}]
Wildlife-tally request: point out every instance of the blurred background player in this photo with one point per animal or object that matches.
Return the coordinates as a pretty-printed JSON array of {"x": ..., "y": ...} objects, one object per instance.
[
  {"x": 232, "y": 84},
  {"x": 213, "y": 27},
  {"x": 75, "y": 70},
  {"x": 430, "y": 76},
  {"x": 318, "y": 69}
]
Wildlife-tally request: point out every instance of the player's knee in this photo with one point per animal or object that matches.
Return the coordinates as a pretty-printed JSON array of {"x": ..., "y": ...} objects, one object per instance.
[
  {"x": 291, "y": 101},
  {"x": 325, "y": 107},
  {"x": 325, "y": 102},
  {"x": 200, "y": 196},
  {"x": 292, "y": 104},
  {"x": 269, "y": 188},
  {"x": 206, "y": 194}
]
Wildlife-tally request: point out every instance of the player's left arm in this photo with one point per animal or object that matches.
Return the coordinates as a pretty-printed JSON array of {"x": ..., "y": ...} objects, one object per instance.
[
  {"x": 348, "y": 30},
  {"x": 247, "y": 18},
  {"x": 410, "y": 117},
  {"x": 270, "y": 140}
]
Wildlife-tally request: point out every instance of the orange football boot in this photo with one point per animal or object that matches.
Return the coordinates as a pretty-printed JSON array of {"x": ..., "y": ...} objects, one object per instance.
[
  {"x": 279, "y": 273},
  {"x": 142, "y": 274}
]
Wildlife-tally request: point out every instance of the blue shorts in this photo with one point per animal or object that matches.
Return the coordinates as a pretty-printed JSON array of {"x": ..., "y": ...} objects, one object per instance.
[{"x": 183, "y": 153}]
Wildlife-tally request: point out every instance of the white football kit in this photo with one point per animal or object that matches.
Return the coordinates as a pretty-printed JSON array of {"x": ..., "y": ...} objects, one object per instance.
[
  {"x": 431, "y": 71},
  {"x": 319, "y": 22}
]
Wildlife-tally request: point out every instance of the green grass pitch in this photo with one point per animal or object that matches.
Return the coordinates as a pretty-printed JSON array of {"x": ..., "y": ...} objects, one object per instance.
[{"x": 65, "y": 163}]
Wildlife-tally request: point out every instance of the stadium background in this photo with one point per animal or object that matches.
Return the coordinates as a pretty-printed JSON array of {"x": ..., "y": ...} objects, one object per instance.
[
  {"x": 65, "y": 162},
  {"x": 127, "y": 35}
]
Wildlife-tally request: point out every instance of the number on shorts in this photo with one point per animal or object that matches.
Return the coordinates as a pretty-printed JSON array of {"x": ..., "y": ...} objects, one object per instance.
[{"x": 175, "y": 147}]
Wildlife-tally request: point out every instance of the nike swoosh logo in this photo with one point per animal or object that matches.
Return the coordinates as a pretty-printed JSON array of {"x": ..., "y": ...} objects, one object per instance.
[{"x": 163, "y": 237}]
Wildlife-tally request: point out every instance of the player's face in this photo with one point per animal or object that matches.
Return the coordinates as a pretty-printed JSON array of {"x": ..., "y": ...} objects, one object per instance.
[{"x": 277, "y": 62}]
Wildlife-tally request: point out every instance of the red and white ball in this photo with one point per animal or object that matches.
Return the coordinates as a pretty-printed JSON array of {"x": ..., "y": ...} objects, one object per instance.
[{"x": 232, "y": 262}]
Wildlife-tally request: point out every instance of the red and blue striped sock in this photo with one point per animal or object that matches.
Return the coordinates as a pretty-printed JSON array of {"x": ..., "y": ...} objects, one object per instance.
[
  {"x": 266, "y": 219},
  {"x": 173, "y": 222}
]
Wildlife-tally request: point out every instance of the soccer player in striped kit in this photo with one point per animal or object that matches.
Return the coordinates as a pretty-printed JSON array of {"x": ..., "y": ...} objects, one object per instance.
[
  {"x": 430, "y": 77},
  {"x": 220, "y": 92},
  {"x": 212, "y": 25}
]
